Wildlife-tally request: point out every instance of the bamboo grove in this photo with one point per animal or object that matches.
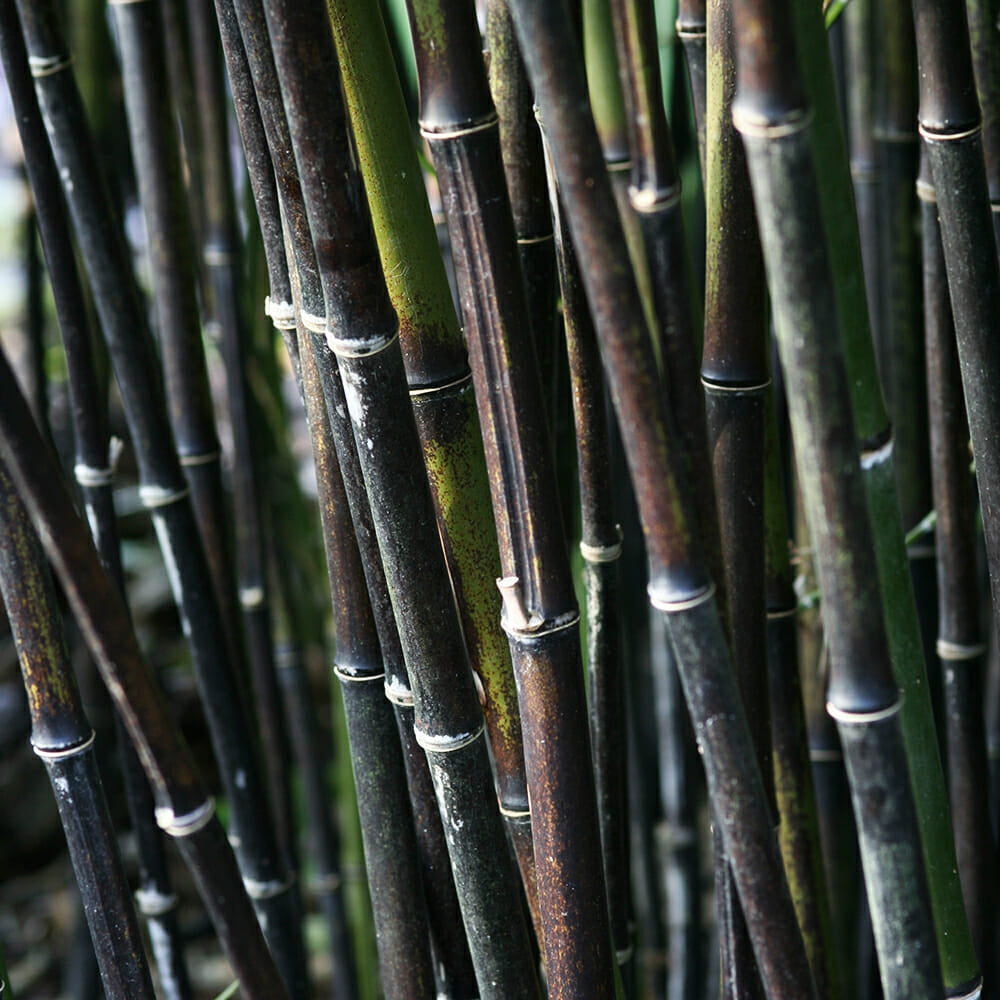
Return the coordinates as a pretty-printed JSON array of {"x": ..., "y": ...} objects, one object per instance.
[{"x": 648, "y": 359}]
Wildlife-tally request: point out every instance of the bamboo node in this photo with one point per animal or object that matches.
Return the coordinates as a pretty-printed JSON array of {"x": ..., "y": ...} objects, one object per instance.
[
  {"x": 188, "y": 824},
  {"x": 647, "y": 200},
  {"x": 780, "y": 613},
  {"x": 528, "y": 241},
  {"x": 124, "y": 3},
  {"x": 603, "y": 553},
  {"x": 65, "y": 752},
  {"x": 89, "y": 476},
  {"x": 205, "y": 458},
  {"x": 846, "y": 716},
  {"x": 344, "y": 676},
  {"x": 155, "y": 904},
  {"x": 516, "y": 614},
  {"x": 49, "y": 65},
  {"x": 268, "y": 890},
  {"x": 870, "y": 457},
  {"x": 825, "y": 755},
  {"x": 447, "y": 744},
  {"x": 218, "y": 256},
  {"x": 312, "y": 322},
  {"x": 398, "y": 693},
  {"x": 972, "y": 994},
  {"x": 959, "y": 651},
  {"x": 456, "y": 132},
  {"x": 325, "y": 884},
  {"x": 756, "y": 126},
  {"x": 695, "y": 31},
  {"x": 623, "y": 955},
  {"x": 931, "y": 135},
  {"x": 685, "y": 604},
  {"x": 251, "y": 598},
  {"x": 281, "y": 314},
  {"x": 514, "y": 813},
  {"x": 429, "y": 390},
  {"x": 160, "y": 496},
  {"x": 360, "y": 347},
  {"x": 730, "y": 387},
  {"x": 925, "y": 191}
]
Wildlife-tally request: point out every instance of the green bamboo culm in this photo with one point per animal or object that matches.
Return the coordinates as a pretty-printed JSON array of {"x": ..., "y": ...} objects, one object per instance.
[
  {"x": 873, "y": 433},
  {"x": 679, "y": 585},
  {"x": 183, "y": 809},
  {"x": 772, "y": 114},
  {"x": 62, "y": 737},
  {"x": 440, "y": 387}
]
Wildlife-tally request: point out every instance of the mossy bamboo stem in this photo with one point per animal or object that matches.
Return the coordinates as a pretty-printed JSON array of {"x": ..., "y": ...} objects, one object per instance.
[
  {"x": 960, "y": 645},
  {"x": 773, "y": 116},
  {"x": 61, "y": 736},
  {"x": 163, "y": 487},
  {"x": 874, "y": 434},
  {"x": 183, "y": 809},
  {"x": 440, "y": 388},
  {"x": 541, "y": 619},
  {"x": 679, "y": 585}
]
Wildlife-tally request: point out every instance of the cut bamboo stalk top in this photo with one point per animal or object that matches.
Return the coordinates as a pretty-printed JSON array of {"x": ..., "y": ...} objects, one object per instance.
[{"x": 949, "y": 106}]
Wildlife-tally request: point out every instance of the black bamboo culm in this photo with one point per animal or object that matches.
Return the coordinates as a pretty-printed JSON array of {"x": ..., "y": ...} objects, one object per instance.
[
  {"x": 951, "y": 127},
  {"x": 460, "y": 124},
  {"x": 94, "y": 473},
  {"x": 692, "y": 31},
  {"x": 960, "y": 644},
  {"x": 361, "y": 329},
  {"x": 171, "y": 253},
  {"x": 524, "y": 168},
  {"x": 986, "y": 65},
  {"x": 220, "y": 259},
  {"x": 183, "y": 809},
  {"x": 601, "y": 548},
  {"x": 258, "y": 107},
  {"x": 772, "y": 115},
  {"x": 62, "y": 737},
  {"x": 795, "y": 792},
  {"x": 387, "y": 827},
  {"x": 441, "y": 391},
  {"x": 735, "y": 377},
  {"x": 163, "y": 488},
  {"x": 679, "y": 585}
]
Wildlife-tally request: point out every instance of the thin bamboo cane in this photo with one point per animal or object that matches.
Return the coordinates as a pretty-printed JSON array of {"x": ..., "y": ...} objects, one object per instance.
[
  {"x": 380, "y": 776},
  {"x": 874, "y": 434},
  {"x": 440, "y": 389},
  {"x": 361, "y": 331},
  {"x": 735, "y": 377},
  {"x": 773, "y": 117},
  {"x": 251, "y": 63},
  {"x": 793, "y": 780},
  {"x": 94, "y": 474},
  {"x": 163, "y": 487},
  {"x": 183, "y": 810},
  {"x": 170, "y": 249},
  {"x": 540, "y": 614},
  {"x": 960, "y": 645},
  {"x": 679, "y": 585},
  {"x": 951, "y": 127},
  {"x": 61, "y": 736},
  {"x": 601, "y": 548},
  {"x": 221, "y": 253},
  {"x": 983, "y": 15},
  {"x": 524, "y": 168},
  {"x": 692, "y": 30}
]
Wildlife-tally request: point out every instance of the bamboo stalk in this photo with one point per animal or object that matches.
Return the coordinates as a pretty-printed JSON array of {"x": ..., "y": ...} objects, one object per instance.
[
  {"x": 540, "y": 614},
  {"x": 960, "y": 645},
  {"x": 440, "y": 389},
  {"x": 601, "y": 547},
  {"x": 183, "y": 810},
  {"x": 679, "y": 585},
  {"x": 163, "y": 488},
  {"x": 982, "y": 16},
  {"x": 94, "y": 474},
  {"x": 220, "y": 254},
  {"x": 773, "y": 116},
  {"x": 61, "y": 736},
  {"x": 387, "y": 828},
  {"x": 361, "y": 330},
  {"x": 692, "y": 31},
  {"x": 246, "y": 45},
  {"x": 874, "y": 434}
]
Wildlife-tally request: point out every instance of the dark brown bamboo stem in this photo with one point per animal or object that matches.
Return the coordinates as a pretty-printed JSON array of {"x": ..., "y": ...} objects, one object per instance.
[{"x": 679, "y": 585}]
